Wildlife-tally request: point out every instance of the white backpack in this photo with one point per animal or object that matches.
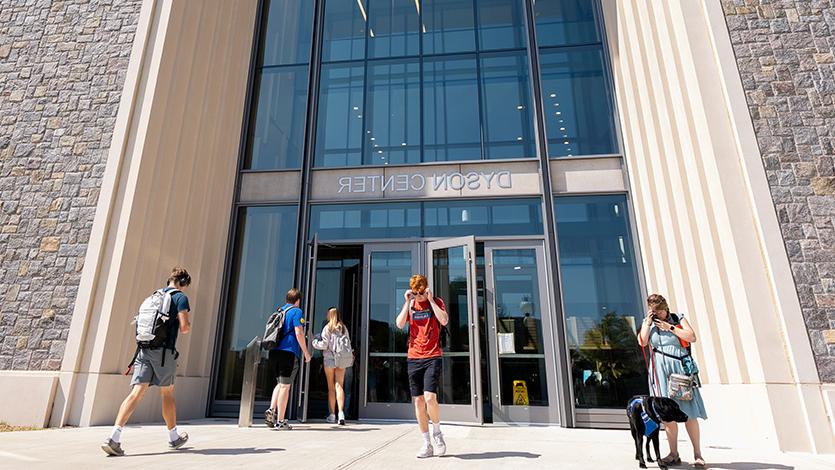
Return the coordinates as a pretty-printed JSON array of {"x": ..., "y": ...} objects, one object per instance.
[{"x": 152, "y": 318}]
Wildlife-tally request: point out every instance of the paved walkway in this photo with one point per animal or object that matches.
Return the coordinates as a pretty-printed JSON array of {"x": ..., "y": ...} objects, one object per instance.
[{"x": 221, "y": 444}]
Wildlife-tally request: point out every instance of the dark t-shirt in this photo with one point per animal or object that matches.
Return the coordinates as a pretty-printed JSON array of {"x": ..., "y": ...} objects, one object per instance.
[
  {"x": 179, "y": 303},
  {"x": 424, "y": 330}
]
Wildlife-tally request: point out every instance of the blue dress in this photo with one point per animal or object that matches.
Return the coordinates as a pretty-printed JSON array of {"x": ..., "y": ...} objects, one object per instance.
[{"x": 667, "y": 342}]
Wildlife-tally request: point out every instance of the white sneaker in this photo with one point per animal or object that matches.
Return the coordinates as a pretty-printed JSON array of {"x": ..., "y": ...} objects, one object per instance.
[
  {"x": 425, "y": 451},
  {"x": 440, "y": 444},
  {"x": 341, "y": 418},
  {"x": 331, "y": 418}
]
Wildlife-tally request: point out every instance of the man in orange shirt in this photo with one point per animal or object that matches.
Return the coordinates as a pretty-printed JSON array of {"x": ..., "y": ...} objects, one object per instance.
[{"x": 425, "y": 315}]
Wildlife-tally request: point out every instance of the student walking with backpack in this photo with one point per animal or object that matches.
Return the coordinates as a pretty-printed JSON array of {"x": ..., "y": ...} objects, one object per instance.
[
  {"x": 161, "y": 317},
  {"x": 425, "y": 314},
  {"x": 291, "y": 345},
  {"x": 338, "y": 356}
]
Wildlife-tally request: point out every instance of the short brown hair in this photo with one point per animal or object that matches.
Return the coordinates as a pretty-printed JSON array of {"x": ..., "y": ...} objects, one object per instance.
[
  {"x": 293, "y": 296},
  {"x": 418, "y": 283},
  {"x": 657, "y": 302},
  {"x": 180, "y": 276}
]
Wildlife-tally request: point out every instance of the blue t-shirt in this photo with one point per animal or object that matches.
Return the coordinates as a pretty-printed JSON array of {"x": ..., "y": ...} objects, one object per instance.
[
  {"x": 179, "y": 303},
  {"x": 288, "y": 342}
]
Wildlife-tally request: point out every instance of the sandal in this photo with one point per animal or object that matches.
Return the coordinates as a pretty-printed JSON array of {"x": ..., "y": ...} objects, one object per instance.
[
  {"x": 699, "y": 462},
  {"x": 670, "y": 460}
]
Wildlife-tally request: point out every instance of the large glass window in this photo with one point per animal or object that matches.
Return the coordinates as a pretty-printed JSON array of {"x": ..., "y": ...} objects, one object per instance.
[
  {"x": 451, "y": 128},
  {"x": 578, "y": 115},
  {"x": 264, "y": 256},
  {"x": 507, "y": 121},
  {"x": 600, "y": 295},
  {"x": 395, "y": 25},
  {"x": 276, "y": 140},
  {"x": 421, "y": 89},
  {"x": 343, "y": 37},
  {"x": 339, "y": 128},
  {"x": 448, "y": 26},
  {"x": 392, "y": 113},
  {"x": 565, "y": 22},
  {"x": 426, "y": 219},
  {"x": 278, "y": 116}
]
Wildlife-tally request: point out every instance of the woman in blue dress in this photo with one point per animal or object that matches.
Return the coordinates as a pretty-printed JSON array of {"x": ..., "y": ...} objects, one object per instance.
[{"x": 664, "y": 331}]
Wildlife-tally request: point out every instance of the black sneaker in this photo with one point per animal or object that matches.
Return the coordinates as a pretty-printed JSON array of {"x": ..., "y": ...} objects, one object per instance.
[
  {"x": 283, "y": 426},
  {"x": 341, "y": 418},
  {"x": 269, "y": 418},
  {"x": 173, "y": 445},
  {"x": 111, "y": 447}
]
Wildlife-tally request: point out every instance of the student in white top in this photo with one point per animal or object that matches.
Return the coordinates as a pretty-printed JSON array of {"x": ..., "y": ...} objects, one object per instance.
[{"x": 338, "y": 356}]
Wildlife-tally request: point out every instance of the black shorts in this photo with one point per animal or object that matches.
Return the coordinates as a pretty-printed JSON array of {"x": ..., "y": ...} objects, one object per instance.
[
  {"x": 285, "y": 365},
  {"x": 424, "y": 375}
]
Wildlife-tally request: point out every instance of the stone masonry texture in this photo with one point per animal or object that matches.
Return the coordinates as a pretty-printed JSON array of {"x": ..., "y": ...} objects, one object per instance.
[
  {"x": 784, "y": 49},
  {"x": 62, "y": 67}
]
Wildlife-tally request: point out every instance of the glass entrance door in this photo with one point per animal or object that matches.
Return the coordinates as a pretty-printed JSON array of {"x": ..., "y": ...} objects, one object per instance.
[
  {"x": 387, "y": 267},
  {"x": 451, "y": 273},
  {"x": 384, "y": 389},
  {"x": 522, "y": 367}
]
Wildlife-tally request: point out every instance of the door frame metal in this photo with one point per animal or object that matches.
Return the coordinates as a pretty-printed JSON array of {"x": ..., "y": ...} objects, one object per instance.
[
  {"x": 312, "y": 252},
  {"x": 474, "y": 411},
  {"x": 510, "y": 413}
]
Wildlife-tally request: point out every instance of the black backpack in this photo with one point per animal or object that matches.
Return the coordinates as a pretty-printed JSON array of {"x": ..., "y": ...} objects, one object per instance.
[{"x": 274, "y": 331}]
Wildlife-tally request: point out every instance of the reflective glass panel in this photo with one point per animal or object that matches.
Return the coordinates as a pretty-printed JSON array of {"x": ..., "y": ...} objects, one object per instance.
[
  {"x": 450, "y": 103},
  {"x": 482, "y": 218},
  {"x": 501, "y": 24},
  {"x": 276, "y": 140},
  {"x": 263, "y": 272},
  {"x": 287, "y": 36},
  {"x": 519, "y": 325},
  {"x": 392, "y": 113},
  {"x": 393, "y": 28},
  {"x": 576, "y": 102},
  {"x": 449, "y": 271},
  {"x": 387, "y": 345},
  {"x": 448, "y": 26},
  {"x": 506, "y": 106},
  {"x": 344, "y": 31},
  {"x": 565, "y": 22},
  {"x": 600, "y": 295},
  {"x": 365, "y": 221},
  {"x": 339, "y": 128}
]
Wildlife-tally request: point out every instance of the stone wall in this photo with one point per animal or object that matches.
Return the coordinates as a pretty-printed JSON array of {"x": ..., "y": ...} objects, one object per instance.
[
  {"x": 784, "y": 49},
  {"x": 62, "y": 66}
]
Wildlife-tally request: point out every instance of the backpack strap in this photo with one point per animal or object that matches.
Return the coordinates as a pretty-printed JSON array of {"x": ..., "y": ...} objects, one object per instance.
[{"x": 132, "y": 361}]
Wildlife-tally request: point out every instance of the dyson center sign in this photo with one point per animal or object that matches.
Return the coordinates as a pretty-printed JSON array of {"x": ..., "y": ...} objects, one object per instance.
[{"x": 436, "y": 182}]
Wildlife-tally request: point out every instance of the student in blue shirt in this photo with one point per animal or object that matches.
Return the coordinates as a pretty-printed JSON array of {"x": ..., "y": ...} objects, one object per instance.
[{"x": 285, "y": 358}]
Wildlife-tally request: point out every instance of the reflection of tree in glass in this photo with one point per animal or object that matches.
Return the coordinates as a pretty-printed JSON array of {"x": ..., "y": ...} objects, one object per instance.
[
  {"x": 607, "y": 367},
  {"x": 611, "y": 346}
]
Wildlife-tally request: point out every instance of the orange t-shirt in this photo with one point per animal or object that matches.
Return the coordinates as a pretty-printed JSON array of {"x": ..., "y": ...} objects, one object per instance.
[{"x": 424, "y": 330}]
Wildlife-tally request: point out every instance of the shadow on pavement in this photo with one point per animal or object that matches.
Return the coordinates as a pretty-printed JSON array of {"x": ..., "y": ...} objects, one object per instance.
[
  {"x": 227, "y": 451},
  {"x": 495, "y": 455},
  {"x": 335, "y": 428},
  {"x": 749, "y": 466}
]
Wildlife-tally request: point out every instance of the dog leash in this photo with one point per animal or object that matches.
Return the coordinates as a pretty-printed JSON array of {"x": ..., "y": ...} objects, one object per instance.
[{"x": 655, "y": 388}]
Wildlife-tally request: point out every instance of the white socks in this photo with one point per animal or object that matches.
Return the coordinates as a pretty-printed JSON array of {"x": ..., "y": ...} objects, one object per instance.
[
  {"x": 436, "y": 428},
  {"x": 116, "y": 434},
  {"x": 173, "y": 435},
  {"x": 426, "y": 439}
]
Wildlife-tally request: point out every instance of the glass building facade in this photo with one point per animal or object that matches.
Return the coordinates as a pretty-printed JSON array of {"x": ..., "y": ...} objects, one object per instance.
[{"x": 352, "y": 87}]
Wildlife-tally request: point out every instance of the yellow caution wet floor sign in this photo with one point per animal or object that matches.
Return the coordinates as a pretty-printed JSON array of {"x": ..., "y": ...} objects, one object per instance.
[{"x": 520, "y": 393}]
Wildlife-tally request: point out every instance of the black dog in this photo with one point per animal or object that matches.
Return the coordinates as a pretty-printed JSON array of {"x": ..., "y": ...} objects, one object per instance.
[{"x": 658, "y": 409}]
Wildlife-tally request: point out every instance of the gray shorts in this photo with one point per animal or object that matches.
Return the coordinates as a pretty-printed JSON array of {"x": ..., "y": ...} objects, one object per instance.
[
  {"x": 332, "y": 363},
  {"x": 148, "y": 368}
]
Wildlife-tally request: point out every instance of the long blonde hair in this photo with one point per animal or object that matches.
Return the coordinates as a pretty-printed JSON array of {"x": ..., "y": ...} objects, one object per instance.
[{"x": 335, "y": 320}]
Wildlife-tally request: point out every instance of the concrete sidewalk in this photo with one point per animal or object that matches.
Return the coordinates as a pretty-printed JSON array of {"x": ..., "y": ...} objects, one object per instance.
[{"x": 221, "y": 444}]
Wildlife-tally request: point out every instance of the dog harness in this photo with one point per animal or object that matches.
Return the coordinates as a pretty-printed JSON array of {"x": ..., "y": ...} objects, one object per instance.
[{"x": 650, "y": 426}]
